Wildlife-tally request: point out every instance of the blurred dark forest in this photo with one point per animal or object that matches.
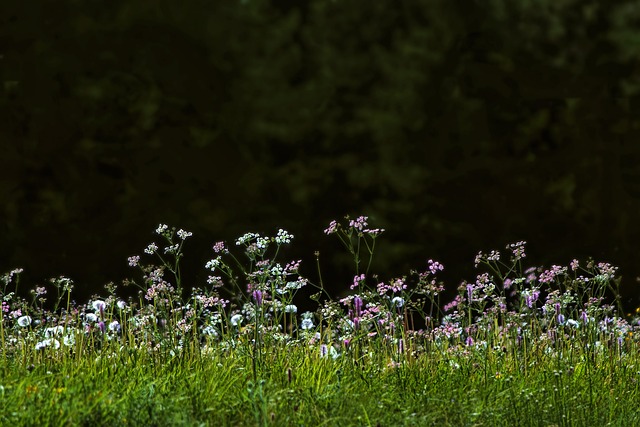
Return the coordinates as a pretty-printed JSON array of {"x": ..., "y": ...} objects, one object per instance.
[{"x": 457, "y": 125}]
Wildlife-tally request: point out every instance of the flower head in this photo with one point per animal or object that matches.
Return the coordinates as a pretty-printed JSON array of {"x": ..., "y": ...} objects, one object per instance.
[{"x": 24, "y": 321}]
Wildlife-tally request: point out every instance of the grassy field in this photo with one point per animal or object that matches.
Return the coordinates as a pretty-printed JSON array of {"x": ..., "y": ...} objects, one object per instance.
[{"x": 516, "y": 347}]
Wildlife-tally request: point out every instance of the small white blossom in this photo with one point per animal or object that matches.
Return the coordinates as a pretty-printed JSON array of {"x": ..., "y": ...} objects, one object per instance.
[
  {"x": 306, "y": 324},
  {"x": 114, "y": 326},
  {"x": 172, "y": 249},
  {"x": 24, "y": 321},
  {"x": 397, "y": 301},
  {"x": 262, "y": 242},
  {"x": 151, "y": 249},
  {"x": 53, "y": 331},
  {"x": 98, "y": 305},
  {"x": 184, "y": 234},
  {"x": 290, "y": 309},
  {"x": 69, "y": 340},
  {"x": 210, "y": 331},
  {"x": 246, "y": 238},
  {"x": 162, "y": 228},
  {"x": 121, "y": 304},
  {"x": 91, "y": 318},
  {"x": 236, "y": 319},
  {"x": 49, "y": 342},
  {"x": 283, "y": 237},
  {"x": 213, "y": 264}
]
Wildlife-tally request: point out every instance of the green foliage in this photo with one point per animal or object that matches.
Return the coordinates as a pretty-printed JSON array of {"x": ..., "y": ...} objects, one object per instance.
[{"x": 537, "y": 347}]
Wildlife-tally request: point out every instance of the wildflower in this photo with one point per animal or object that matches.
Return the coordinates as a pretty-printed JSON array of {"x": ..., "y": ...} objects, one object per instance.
[
  {"x": 49, "y": 342},
  {"x": 517, "y": 249},
  {"x": 333, "y": 227},
  {"x": 573, "y": 323},
  {"x": 184, "y": 234},
  {"x": 236, "y": 319},
  {"x": 53, "y": 331},
  {"x": 357, "y": 304},
  {"x": 306, "y": 324},
  {"x": 171, "y": 249},
  {"x": 397, "y": 301},
  {"x": 151, "y": 249},
  {"x": 121, "y": 304},
  {"x": 324, "y": 350},
  {"x": 215, "y": 281},
  {"x": 213, "y": 264},
  {"x": 359, "y": 224},
  {"x": 24, "y": 321},
  {"x": 246, "y": 238},
  {"x": 161, "y": 228},
  {"x": 435, "y": 266},
  {"x": 99, "y": 305},
  {"x": 375, "y": 232},
  {"x": 262, "y": 243},
  {"x": 114, "y": 326},
  {"x": 257, "y": 296},
  {"x": 574, "y": 265},
  {"x": 133, "y": 260},
  {"x": 69, "y": 340},
  {"x": 210, "y": 331},
  {"x": 219, "y": 247},
  {"x": 91, "y": 317},
  {"x": 357, "y": 281},
  {"x": 283, "y": 237},
  {"x": 290, "y": 308}
]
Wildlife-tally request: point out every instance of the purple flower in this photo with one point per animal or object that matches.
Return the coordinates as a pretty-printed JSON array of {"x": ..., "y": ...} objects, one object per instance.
[
  {"x": 435, "y": 266},
  {"x": 333, "y": 227},
  {"x": 357, "y": 304},
  {"x": 257, "y": 296}
]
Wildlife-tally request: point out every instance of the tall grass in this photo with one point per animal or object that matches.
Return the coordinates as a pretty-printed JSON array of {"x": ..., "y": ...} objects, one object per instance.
[{"x": 516, "y": 346}]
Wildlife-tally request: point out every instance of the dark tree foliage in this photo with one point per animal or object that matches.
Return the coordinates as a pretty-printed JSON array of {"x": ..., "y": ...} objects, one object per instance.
[{"x": 456, "y": 125}]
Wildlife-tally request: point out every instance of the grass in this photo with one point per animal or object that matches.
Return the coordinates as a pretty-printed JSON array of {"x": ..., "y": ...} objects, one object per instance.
[{"x": 516, "y": 347}]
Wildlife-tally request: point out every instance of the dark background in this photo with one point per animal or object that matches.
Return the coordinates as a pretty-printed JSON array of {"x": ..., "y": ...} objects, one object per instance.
[{"x": 458, "y": 126}]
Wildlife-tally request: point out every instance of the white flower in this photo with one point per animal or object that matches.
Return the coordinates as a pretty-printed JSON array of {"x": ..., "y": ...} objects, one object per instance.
[
  {"x": 246, "y": 238},
  {"x": 161, "y": 228},
  {"x": 49, "y": 342},
  {"x": 98, "y": 305},
  {"x": 24, "y": 321},
  {"x": 290, "y": 309},
  {"x": 397, "y": 301},
  {"x": 151, "y": 249},
  {"x": 306, "y": 324},
  {"x": 236, "y": 319},
  {"x": 53, "y": 331},
  {"x": 573, "y": 323},
  {"x": 114, "y": 326},
  {"x": 69, "y": 340},
  {"x": 90, "y": 317},
  {"x": 121, "y": 304},
  {"x": 213, "y": 264},
  {"x": 184, "y": 234},
  {"x": 262, "y": 242},
  {"x": 283, "y": 237},
  {"x": 171, "y": 249},
  {"x": 210, "y": 330}
]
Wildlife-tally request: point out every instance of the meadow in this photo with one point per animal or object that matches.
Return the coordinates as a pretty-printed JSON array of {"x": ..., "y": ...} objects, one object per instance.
[{"x": 519, "y": 345}]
